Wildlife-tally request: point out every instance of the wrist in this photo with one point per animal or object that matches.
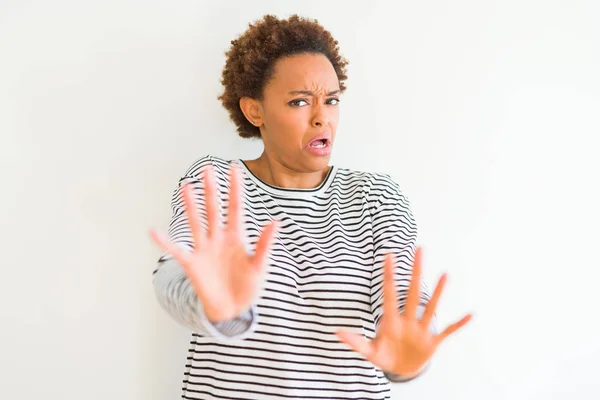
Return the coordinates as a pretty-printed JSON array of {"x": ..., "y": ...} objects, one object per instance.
[{"x": 406, "y": 375}]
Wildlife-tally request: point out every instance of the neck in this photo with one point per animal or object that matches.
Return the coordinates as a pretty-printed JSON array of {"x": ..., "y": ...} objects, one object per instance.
[{"x": 277, "y": 173}]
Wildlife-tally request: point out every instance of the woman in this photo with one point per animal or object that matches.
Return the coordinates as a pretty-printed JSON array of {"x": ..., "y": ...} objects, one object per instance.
[{"x": 290, "y": 287}]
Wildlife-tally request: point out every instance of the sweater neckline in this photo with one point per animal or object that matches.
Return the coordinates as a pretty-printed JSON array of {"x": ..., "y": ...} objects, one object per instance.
[{"x": 289, "y": 192}]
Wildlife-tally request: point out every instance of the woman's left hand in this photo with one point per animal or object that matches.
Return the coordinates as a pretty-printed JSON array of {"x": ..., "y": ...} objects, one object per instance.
[{"x": 404, "y": 344}]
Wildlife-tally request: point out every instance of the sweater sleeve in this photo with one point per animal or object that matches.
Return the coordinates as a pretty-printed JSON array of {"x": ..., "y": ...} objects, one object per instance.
[
  {"x": 176, "y": 296},
  {"x": 172, "y": 287},
  {"x": 394, "y": 231}
]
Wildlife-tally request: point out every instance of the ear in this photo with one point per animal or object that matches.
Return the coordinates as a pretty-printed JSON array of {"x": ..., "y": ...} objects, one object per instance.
[{"x": 252, "y": 110}]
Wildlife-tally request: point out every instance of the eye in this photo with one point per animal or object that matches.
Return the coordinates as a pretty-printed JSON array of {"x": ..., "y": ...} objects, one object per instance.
[
  {"x": 297, "y": 102},
  {"x": 333, "y": 101}
]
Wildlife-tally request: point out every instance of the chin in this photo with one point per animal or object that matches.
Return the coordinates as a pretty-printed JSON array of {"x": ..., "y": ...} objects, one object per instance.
[{"x": 317, "y": 163}]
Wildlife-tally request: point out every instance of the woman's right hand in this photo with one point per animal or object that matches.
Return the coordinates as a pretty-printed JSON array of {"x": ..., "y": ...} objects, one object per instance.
[{"x": 227, "y": 280}]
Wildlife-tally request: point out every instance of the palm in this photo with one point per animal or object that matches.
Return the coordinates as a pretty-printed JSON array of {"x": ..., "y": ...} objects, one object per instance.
[
  {"x": 225, "y": 277},
  {"x": 403, "y": 343}
]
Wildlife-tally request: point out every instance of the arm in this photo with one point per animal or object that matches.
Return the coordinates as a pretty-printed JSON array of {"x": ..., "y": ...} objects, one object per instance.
[
  {"x": 394, "y": 230},
  {"x": 173, "y": 289}
]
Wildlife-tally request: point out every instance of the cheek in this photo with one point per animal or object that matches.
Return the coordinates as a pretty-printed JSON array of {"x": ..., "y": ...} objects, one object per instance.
[
  {"x": 335, "y": 116},
  {"x": 289, "y": 122}
]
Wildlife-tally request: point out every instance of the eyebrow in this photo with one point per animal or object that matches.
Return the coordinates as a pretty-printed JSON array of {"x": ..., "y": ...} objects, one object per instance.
[{"x": 309, "y": 93}]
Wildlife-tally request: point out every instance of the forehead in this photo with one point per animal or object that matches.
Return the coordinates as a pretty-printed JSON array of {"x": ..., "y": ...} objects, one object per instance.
[{"x": 304, "y": 71}]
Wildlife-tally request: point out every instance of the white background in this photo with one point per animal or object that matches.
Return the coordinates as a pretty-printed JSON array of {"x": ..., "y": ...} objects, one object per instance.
[{"x": 486, "y": 112}]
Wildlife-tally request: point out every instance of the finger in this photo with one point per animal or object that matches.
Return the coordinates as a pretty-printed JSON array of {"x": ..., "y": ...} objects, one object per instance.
[
  {"x": 432, "y": 304},
  {"x": 235, "y": 203},
  {"x": 165, "y": 244},
  {"x": 412, "y": 299},
  {"x": 191, "y": 210},
  {"x": 390, "y": 300},
  {"x": 357, "y": 342},
  {"x": 263, "y": 244},
  {"x": 211, "y": 200},
  {"x": 454, "y": 327}
]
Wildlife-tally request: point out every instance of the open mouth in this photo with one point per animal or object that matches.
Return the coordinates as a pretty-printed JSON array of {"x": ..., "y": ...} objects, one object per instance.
[{"x": 319, "y": 144}]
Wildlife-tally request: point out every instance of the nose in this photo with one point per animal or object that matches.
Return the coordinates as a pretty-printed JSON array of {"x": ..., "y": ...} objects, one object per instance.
[{"x": 320, "y": 117}]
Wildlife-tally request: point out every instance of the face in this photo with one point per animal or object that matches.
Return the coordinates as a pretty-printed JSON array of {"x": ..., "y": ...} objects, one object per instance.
[{"x": 300, "y": 104}]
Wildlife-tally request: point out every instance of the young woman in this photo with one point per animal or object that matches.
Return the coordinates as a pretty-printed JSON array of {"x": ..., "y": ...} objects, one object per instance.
[{"x": 307, "y": 282}]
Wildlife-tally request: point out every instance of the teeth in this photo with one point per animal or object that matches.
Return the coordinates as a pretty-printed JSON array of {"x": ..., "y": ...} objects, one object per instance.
[{"x": 318, "y": 144}]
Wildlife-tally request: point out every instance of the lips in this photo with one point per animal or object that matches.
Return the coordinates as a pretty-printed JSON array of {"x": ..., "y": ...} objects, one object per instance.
[{"x": 320, "y": 145}]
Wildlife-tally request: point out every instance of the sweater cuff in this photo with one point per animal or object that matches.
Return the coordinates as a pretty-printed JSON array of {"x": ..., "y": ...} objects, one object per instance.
[
  {"x": 238, "y": 328},
  {"x": 394, "y": 378}
]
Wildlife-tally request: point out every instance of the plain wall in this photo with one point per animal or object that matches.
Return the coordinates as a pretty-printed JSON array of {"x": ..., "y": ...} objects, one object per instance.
[{"x": 485, "y": 112}]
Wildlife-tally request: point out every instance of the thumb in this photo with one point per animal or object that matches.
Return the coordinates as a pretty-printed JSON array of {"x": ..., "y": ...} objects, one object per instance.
[{"x": 357, "y": 342}]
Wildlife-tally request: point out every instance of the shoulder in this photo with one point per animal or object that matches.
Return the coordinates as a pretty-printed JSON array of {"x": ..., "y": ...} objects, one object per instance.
[
  {"x": 220, "y": 166},
  {"x": 375, "y": 186}
]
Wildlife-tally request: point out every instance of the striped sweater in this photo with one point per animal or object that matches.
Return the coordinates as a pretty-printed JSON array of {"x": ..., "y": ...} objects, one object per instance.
[{"x": 325, "y": 273}]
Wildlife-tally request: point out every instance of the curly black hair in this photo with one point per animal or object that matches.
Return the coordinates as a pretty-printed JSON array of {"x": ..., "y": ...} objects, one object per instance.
[{"x": 252, "y": 57}]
